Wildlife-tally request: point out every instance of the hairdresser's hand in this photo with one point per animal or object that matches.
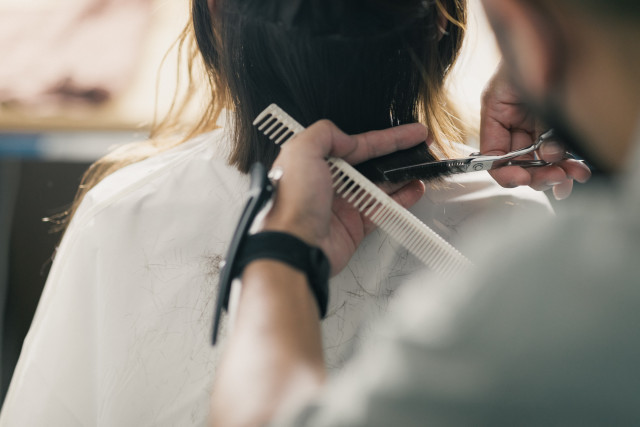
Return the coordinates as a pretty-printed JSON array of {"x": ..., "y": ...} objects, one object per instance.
[
  {"x": 506, "y": 125},
  {"x": 305, "y": 204}
]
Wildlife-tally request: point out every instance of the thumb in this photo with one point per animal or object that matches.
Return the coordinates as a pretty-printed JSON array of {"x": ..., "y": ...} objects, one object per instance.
[{"x": 551, "y": 151}]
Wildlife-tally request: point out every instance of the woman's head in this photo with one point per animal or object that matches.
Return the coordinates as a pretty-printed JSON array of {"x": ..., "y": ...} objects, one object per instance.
[{"x": 363, "y": 64}]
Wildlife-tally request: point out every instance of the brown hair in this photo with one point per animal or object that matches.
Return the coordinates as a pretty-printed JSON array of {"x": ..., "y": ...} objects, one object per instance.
[{"x": 364, "y": 64}]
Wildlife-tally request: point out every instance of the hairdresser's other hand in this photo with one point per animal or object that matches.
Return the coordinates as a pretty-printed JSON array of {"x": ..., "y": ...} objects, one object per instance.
[
  {"x": 305, "y": 204},
  {"x": 506, "y": 125}
]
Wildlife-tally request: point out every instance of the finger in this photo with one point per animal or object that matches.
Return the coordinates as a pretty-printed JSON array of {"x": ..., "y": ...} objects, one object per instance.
[
  {"x": 576, "y": 170},
  {"x": 318, "y": 140},
  {"x": 406, "y": 196},
  {"x": 551, "y": 152},
  {"x": 545, "y": 177},
  {"x": 495, "y": 139},
  {"x": 510, "y": 141},
  {"x": 511, "y": 176},
  {"x": 563, "y": 190},
  {"x": 392, "y": 187},
  {"x": 502, "y": 113},
  {"x": 373, "y": 144},
  {"x": 313, "y": 143},
  {"x": 522, "y": 139}
]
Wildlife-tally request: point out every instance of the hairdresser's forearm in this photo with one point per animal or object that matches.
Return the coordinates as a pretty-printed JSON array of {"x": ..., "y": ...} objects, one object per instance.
[{"x": 273, "y": 360}]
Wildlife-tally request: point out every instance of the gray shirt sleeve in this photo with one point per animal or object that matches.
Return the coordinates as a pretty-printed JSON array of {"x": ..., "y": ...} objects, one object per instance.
[{"x": 547, "y": 336}]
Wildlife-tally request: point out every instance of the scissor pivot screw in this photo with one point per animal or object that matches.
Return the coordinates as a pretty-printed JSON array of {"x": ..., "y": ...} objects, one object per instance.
[{"x": 478, "y": 167}]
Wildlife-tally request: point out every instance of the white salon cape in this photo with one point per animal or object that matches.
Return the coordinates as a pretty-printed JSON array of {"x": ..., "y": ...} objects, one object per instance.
[{"x": 122, "y": 333}]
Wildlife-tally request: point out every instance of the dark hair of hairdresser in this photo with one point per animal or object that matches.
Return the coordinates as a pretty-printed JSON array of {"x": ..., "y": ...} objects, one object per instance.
[
  {"x": 363, "y": 64},
  {"x": 620, "y": 9}
]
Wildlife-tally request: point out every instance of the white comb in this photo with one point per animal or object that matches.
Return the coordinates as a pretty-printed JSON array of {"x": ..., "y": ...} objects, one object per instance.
[{"x": 435, "y": 252}]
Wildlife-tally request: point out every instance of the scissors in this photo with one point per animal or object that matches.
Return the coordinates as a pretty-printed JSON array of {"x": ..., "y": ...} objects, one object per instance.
[{"x": 472, "y": 163}]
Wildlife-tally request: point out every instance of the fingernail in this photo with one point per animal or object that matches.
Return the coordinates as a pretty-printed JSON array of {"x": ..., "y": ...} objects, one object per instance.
[
  {"x": 583, "y": 180},
  {"x": 559, "y": 196},
  {"x": 571, "y": 178},
  {"x": 560, "y": 193}
]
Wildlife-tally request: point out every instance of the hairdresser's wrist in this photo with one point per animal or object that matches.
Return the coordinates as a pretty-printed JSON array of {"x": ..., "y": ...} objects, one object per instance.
[
  {"x": 297, "y": 228},
  {"x": 284, "y": 282}
]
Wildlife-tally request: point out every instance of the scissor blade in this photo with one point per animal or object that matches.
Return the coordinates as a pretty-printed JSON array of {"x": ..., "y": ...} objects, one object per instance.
[
  {"x": 427, "y": 171},
  {"x": 435, "y": 170}
]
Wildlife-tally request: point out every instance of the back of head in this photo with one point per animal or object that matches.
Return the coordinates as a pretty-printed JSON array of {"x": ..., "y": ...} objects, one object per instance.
[{"x": 364, "y": 64}]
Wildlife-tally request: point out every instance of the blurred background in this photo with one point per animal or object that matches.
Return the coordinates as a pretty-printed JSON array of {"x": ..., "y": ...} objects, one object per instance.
[{"x": 79, "y": 78}]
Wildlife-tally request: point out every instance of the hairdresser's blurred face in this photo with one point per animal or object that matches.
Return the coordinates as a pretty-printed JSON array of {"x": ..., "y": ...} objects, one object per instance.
[
  {"x": 529, "y": 52},
  {"x": 555, "y": 53}
]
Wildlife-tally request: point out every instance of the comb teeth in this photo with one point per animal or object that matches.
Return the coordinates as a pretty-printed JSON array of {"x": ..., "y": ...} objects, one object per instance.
[
  {"x": 277, "y": 125},
  {"x": 435, "y": 252}
]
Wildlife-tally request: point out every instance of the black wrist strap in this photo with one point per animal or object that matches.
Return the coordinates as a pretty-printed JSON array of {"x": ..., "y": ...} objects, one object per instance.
[{"x": 294, "y": 252}]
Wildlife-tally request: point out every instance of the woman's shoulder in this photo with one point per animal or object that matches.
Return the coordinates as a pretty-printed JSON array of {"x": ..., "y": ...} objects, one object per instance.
[{"x": 170, "y": 179}]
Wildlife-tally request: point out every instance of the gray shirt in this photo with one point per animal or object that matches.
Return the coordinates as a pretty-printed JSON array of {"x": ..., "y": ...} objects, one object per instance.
[{"x": 545, "y": 331}]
